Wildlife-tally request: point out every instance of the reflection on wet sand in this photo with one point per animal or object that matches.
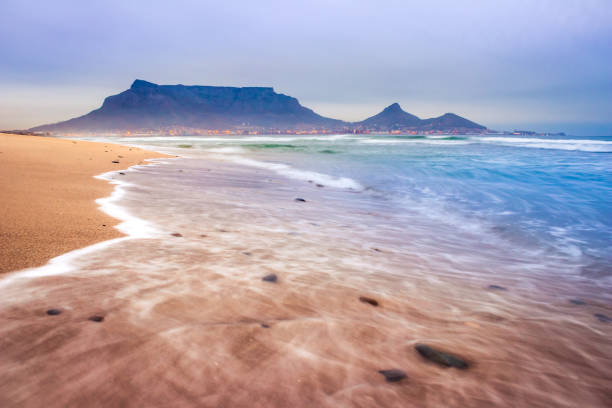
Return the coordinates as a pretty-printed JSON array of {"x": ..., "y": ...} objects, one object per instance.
[{"x": 185, "y": 318}]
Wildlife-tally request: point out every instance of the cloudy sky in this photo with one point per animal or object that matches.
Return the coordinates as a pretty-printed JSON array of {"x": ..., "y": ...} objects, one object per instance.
[{"x": 538, "y": 64}]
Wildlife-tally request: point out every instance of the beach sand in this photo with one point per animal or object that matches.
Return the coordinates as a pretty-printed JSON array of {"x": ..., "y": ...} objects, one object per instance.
[{"x": 48, "y": 192}]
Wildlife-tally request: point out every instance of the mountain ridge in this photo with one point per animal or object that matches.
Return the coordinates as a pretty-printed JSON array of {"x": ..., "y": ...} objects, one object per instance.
[{"x": 149, "y": 106}]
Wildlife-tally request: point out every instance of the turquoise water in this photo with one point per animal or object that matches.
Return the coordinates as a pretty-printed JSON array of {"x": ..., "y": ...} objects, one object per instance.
[{"x": 549, "y": 193}]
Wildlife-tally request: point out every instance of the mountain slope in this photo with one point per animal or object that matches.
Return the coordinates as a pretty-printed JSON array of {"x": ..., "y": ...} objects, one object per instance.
[
  {"x": 150, "y": 106},
  {"x": 393, "y": 116}
]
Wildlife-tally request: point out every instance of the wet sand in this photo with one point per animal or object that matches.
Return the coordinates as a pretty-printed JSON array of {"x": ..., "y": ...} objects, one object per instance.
[
  {"x": 48, "y": 192},
  {"x": 190, "y": 322}
]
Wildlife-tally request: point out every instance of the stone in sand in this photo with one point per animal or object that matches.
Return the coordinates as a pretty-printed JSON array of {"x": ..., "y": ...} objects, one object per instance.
[
  {"x": 115, "y": 161},
  {"x": 497, "y": 287},
  {"x": 300, "y": 200},
  {"x": 177, "y": 234},
  {"x": 319, "y": 185},
  {"x": 578, "y": 302},
  {"x": 368, "y": 300},
  {"x": 96, "y": 318},
  {"x": 270, "y": 278},
  {"x": 122, "y": 173},
  {"x": 247, "y": 253},
  {"x": 393, "y": 375},
  {"x": 440, "y": 357},
  {"x": 265, "y": 325},
  {"x": 54, "y": 312},
  {"x": 603, "y": 318}
]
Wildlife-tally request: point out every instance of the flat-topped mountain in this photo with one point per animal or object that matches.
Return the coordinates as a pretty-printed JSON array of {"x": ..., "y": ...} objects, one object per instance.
[
  {"x": 393, "y": 117},
  {"x": 149, "y": 107}
]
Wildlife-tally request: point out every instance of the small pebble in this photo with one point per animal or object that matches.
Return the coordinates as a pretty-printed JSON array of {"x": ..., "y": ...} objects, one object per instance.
[
  {"x": 54, "y": 312},
  {"x": 96, "y": 319},
  {"x": 603, "y": 318},
  {"x": 368, "y": 300},
  {"x": 270, "y": 278},
  {"x": 122, "y": 173},
  {"x": 440, "y": 357},
  {"x": 497, "y": 287},
  {"x": 176, "y": 234},
  {"x": 300, "y": 200},
  {"x": 115, "y": 161},
  {"x": 265, "y": 325},
  {"x": 319, "y": 185},
  {"x": 247, "y": 253},
  {"x": 578, "y": 302},
  {"x": 393, "y": 375}
]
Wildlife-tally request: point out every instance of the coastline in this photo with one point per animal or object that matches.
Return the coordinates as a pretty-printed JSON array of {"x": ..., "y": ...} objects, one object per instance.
[{"x": 50, "y": 190}]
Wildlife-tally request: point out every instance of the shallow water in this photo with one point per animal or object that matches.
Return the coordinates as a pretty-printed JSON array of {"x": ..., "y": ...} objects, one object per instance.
[{"x": 424, "y": 232}]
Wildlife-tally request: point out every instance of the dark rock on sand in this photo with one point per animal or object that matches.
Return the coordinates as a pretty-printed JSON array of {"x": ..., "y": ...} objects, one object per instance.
[
  {"x": 300, "y": 200},
  {"x": 122, "y": 173},
  {"x": 440, "y": 357},
  {"x": 497, "y": 287},
  {"x": 97, "y": 319},
  {"x": 270, "y": 278},
  {"x": 115, "y": 161},
  {"x": 578, "y": 302},
  {"x": 369, "y": 300},
  {"x": 319, "y": 185},
  {"x": 393, "y": 375},
  {"x": 603, "y": 318},
  {"x": 265, "y": 325},
  {"x": 177, "y": 234},
  {"x": 376, "y": 249},
  {"x": 247, "y": 253},
  {"x": 54, "y": 312}
]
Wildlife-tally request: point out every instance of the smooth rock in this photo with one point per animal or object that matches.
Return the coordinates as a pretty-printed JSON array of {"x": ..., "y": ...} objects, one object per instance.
[
  {"x": 265, "y": 325},
  {"x": 497, "y": 287},
  {"x": 115, "y": 161},
  {"x": 122, "y": 173},
  {"x": 393, "y": 375},
  {"x": 578, "y": 302},
  {"x": 368, "y": 300},
  {"x": 440, "y": 357},
  {"x": 176, "y": 234},
  {"x": 54, "y": 312},
  {"x": 300, "y": 200},
  {"x": 603, "y": 318},
  {"x": 270, "y": 278},
  {"x": 96, "y": 318}
]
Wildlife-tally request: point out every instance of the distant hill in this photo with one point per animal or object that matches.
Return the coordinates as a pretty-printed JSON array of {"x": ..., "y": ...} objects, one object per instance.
[
  {"x": 148, "y": 107},
  {"x": 393, "y": 117}
]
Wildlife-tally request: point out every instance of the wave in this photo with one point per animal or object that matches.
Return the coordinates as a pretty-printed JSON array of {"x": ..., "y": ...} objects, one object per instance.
[
  {"x": 287, "y": 170},
  {"x": 585, "y": 145},
  {"x": 440, "y": 142}
]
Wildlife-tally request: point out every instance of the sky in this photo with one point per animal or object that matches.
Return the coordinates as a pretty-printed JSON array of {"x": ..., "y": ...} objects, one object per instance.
[{"x": 544, "y": 65}]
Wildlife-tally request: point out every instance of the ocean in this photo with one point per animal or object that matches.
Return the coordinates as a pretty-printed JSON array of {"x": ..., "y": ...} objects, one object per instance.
[
  {"x": 497, "y": 249},
  {"x": 545, "y": 198}
]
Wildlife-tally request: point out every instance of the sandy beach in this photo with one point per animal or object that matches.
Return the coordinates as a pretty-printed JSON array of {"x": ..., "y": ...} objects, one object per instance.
[
  {"x": 48, "y": 192},
  {"x": 186, "y": 317}
]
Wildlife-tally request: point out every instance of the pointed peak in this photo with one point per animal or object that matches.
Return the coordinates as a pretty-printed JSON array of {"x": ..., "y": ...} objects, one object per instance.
[
  {"x": 140, "y": 84},
  {"x": 394, "y": 107}
]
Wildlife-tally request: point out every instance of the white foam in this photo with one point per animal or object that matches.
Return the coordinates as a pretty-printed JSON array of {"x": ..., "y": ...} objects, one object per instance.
[
  {"x": 586, "y": 145},
  {"x": 297, "y": 174},
  {"x": 414, "y": 141}
]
